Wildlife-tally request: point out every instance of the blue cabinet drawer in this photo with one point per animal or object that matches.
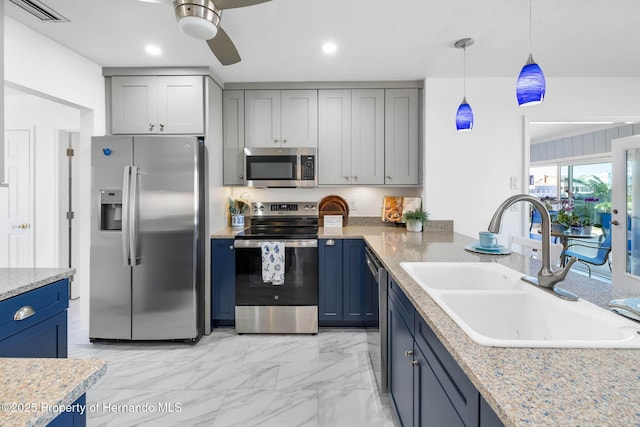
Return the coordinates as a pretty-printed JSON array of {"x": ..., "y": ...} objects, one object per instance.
[
  {"x": 36, "y": 305},
  {"x": 404, "y": 306},
  {"x": 459, "y": 389}
]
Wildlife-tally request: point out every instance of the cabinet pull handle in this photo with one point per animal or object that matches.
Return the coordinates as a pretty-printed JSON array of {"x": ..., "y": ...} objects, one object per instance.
[
  {"x": 615, "y": 222},
  {"x": 161, "y": 127},
  {"x": 284, "y": 141},
  {"x": 346, "y": 178},
  {"x": 389, "y": 177},
  {"x": 331, "y": 242},
  {"x": 408, "y": 353},
  {"x": 275, "y": 141},
  {"x": 241, "y": 176},
  {"x": 151, "y": 126},
  {"x": 415, "y": 362},
  {"x": 24, "y": 313}
]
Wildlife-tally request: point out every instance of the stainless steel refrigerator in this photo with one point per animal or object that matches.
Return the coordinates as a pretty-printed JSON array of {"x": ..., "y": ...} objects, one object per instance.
[{"x": 147, "y": 238}]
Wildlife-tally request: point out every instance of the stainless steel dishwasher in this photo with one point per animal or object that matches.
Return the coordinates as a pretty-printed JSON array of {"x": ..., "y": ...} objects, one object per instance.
[{"x": 377, "y": 343}]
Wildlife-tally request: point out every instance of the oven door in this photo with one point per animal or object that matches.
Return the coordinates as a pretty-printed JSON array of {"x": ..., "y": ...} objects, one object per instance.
[{"x": 300, "y": 287}]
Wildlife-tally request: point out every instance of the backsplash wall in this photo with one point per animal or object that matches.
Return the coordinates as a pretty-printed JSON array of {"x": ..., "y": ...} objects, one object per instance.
[{"x": 368, "y": 200}]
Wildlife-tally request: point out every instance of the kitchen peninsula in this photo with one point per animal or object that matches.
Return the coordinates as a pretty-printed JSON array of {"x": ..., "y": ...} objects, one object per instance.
[
  {"x": 43, "y": 386},
  {"x": 523, "y": 386}
]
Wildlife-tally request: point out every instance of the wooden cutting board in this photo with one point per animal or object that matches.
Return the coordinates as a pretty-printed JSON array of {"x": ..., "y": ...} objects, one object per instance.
[{"x": 333, "y": 205}]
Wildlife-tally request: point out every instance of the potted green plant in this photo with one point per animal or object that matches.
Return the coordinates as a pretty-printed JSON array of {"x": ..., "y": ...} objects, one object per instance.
[{"x": 415, "y": 219}]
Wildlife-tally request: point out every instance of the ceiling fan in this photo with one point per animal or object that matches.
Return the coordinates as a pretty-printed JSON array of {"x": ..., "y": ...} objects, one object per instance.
[{"x": 201, "y": 19}]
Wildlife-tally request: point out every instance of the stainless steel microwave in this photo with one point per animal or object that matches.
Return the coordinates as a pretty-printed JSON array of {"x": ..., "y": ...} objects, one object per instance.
[{"x": 280, "y": 167}]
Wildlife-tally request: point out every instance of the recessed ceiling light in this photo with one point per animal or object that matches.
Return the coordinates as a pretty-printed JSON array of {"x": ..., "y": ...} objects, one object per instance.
[
  {"x": 329, "y": 48},
  {"x": 153, "y": 50}
]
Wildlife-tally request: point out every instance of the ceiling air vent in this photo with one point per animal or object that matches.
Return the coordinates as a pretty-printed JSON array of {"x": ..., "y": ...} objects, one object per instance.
[{"x": 40, "y": 10}]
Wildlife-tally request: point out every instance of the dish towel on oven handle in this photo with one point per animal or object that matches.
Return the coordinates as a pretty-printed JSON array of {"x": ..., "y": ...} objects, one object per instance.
[{"x": 273, "y": 262}]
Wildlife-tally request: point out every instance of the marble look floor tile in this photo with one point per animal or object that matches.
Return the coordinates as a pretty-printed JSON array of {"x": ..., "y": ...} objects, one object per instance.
[
  {"x": 352, "y": 408},
  {"x": 236, "y": 376},
  {"x": 269, "y": 409},
  {"x": 343, "y": 375},
  {"x": 148, "y": 375},
  {"x": 154, "y": 408}
]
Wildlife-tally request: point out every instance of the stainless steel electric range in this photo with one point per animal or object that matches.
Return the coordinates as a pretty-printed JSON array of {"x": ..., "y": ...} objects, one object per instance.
[{"x": 266, "y": 303}]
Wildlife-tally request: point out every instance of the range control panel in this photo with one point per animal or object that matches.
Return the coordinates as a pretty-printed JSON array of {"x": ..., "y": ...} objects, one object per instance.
[{"x": 284, "y": 209}]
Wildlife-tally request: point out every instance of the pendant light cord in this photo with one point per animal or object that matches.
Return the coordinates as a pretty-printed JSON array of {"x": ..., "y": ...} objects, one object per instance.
[
  {"x": 530, "y": 19},
  {"x": 464, "y": 72}
]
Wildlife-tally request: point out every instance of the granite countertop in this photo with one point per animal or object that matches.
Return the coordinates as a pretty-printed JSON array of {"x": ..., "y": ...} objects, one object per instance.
[
  {"x": 16, "y": 281},
  {"x": 524, "y": 386},
  {"x": 35, "y": 391}
]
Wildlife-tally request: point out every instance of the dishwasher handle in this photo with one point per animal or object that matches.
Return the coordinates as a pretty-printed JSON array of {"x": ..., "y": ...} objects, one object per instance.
[{"x": 374, "y": 265}]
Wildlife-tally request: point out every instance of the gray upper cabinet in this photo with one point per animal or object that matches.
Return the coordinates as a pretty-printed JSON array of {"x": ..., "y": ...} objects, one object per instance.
[
  {"x": 157, "y": 105},
  {"x": 402, "y": 161},
  {"x": 351, "y": 137},
  {"x": 281, "y": 118},
  {"x": 233, "y": 136}
]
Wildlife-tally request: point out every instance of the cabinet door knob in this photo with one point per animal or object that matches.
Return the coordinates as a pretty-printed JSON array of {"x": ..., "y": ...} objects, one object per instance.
[
  {"x": 408, "y": 353},
  {"x": 346, "y": 178},
  {"x": 414, "y": 362},
  {"x": 615, "y": 211},
  {"x": 151, "y": 126},
  {"x": 275, "y": 141},
  {"x": 241, "y": 176},
  {"x": 284, "y": 141},
  {"x": 355, "y": 177},
  {"x": 161, "y": 127},
  {"x": 230, "y": 247},
  {"x": 331, "y": 242},
  {"x": 615, "y": 222},
  {"x": 389, "y": 177}
]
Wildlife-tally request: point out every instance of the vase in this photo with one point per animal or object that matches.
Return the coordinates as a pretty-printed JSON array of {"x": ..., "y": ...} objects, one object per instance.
[
  {"x": 576, "y": 229},
  {"x": 415, "y": 226},
  {"x": 587, "y": 229},
  {"x": 237, "y": 221}
]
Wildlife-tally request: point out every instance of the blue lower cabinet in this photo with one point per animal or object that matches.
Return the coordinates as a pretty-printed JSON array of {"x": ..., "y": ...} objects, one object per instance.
[
  {"x": 341, "y": 282},
  {"x": 76, "y": 417},
  {"x": 353, "y": 281},
  {"x": 34, "y": 324},
  {"x": 223, "y": 282},
  {"x": 401, "y": 371},
  {"x": 427, "y": 386}
]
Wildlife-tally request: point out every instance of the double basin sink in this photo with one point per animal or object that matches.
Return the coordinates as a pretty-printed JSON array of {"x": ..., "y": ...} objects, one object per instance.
[{"x": 494, "y": 307}]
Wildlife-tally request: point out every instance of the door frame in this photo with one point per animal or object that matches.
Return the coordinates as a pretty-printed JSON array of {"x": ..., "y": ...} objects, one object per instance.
[{"x": 619, "y": 234}]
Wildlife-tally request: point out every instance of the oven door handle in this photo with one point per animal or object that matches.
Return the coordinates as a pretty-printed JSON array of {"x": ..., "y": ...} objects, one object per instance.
[{"x": 288, "y": 243}]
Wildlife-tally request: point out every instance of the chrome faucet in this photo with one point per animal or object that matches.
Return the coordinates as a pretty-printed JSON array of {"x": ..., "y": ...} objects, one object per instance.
[{"x": 547, "y": 278}]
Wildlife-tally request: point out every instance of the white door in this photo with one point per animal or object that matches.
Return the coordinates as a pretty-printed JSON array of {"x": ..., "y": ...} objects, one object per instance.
[
  {"x": 20, "y": 242},
  {"x": 625, "y": 213}
]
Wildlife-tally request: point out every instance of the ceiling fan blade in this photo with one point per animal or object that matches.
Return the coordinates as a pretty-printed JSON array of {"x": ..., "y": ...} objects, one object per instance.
[
  {"x": 232, "y": 4},
  {"x": 223, "y": 48}
]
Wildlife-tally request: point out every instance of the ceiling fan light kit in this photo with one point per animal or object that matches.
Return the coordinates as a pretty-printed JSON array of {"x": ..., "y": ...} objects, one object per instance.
[
  {"x": 197, "y": 18},
  {"x": 464, "y": 115}
]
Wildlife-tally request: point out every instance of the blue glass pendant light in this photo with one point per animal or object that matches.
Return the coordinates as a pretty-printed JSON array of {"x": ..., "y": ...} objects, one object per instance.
[
  {"x": 531, "y": 85},
  {"x": 464, "y": 115}
]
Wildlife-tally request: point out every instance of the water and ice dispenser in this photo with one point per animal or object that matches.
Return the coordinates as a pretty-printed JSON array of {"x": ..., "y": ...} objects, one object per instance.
[{"x": 110, "y": 209}]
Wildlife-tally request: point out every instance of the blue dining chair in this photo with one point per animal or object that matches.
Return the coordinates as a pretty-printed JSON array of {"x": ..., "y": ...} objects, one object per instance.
[{"x": 601, "y": 256}]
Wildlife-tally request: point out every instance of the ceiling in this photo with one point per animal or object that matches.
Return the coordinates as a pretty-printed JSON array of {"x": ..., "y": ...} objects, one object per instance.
[{"x": 377, "y": 40}]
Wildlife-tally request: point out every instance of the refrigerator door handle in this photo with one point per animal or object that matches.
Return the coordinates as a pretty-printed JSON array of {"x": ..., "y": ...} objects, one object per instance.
[
  {"x": 133, "y": 229},
  {"x": 126, "y": 183}
]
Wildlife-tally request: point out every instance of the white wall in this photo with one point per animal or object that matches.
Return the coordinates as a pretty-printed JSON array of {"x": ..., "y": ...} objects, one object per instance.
[
  {"x": 48, "y": 69},
  {"x": 467, "y": 174},
  {"x": 46, "y": 119}
]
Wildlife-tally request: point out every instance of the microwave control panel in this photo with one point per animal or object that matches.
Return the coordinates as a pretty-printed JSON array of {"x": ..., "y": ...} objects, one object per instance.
[{"x": 308, "y": 167}]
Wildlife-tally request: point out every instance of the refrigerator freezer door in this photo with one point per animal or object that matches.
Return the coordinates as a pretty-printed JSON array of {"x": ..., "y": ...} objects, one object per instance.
[
  {"x": 164, "y": 287},
  {"x": 110, "y": 278}
]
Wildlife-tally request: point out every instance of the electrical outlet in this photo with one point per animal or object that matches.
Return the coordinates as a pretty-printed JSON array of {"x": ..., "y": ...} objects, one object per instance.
[{"x": 352, "y": 204}]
